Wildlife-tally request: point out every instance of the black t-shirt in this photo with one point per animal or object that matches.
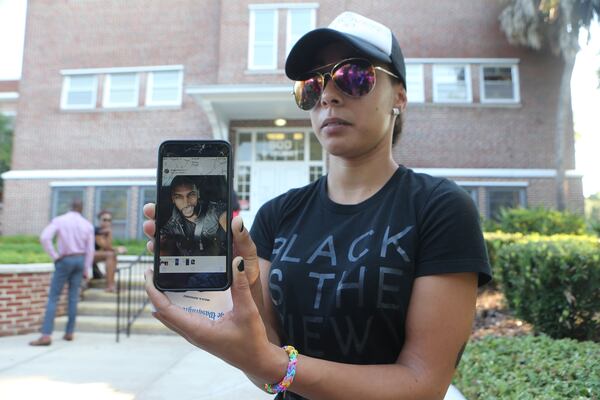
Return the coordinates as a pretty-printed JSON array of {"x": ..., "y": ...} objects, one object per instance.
[{"x": 341, "y": 275}]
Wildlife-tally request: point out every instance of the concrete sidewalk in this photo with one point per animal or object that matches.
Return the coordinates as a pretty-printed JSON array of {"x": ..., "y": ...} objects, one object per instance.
[
  {"x": 94, "y": 366},
  {"x": 145, "y": 367}
]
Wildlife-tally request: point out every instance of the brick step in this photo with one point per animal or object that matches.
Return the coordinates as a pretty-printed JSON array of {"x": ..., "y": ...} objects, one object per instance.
[{"x": 107, "y": 324}]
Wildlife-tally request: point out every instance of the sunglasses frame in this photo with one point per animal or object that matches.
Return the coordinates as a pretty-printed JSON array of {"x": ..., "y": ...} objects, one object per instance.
[{"x": 337, "y": 65}]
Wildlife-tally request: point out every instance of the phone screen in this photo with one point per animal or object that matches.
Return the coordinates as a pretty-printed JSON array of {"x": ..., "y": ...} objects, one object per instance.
[{"x": 193, "y": 246}]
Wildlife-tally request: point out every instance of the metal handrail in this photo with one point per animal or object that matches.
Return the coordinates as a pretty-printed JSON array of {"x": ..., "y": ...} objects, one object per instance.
[{"x": 135, "y": 297}]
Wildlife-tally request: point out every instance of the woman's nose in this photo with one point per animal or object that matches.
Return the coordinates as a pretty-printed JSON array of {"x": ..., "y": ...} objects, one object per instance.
[{"x": 331, "y": 94}]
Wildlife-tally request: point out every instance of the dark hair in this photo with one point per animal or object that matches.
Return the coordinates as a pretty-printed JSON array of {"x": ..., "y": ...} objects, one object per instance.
[
  {"x": 398, "y": 126},
  {"x": 102, "y": 212},
  {"x": 182, "y": 180}
]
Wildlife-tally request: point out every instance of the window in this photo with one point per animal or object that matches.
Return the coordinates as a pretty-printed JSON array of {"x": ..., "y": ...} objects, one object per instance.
[
  {"x": 121, "y": 90},
  {"x": 452, "y": 84},
  {"x": 315, "y": 172},
  {"x": 316, "y": 150},
  {"x": 415, "y": 87},
  {"x": 499, "y": 84},
  {"x": 79, "y": 92},
  {"x": 506, "y": 197},
  {"x": 164, "y": 88},
  {"x": 279, "y": 146},
  {"x": 265, "y": 31},
  {"x": 115, "y": 200},
  {"x": 147, "y": 195},
  {"x": 63, "y": 197},
  {"x": 299, "y": 22},
  {"x": 243, "y": 186},
  {"x": 263, "y": 39}
]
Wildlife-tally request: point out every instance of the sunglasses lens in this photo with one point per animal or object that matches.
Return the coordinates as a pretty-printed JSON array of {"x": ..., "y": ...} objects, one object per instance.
[
  {"x": 308, "y": 92},
  {"x": 355, "y": 78}
]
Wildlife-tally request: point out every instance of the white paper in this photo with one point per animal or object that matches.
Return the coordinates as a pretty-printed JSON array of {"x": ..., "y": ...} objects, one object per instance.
[{"x": 212, "y": 305}]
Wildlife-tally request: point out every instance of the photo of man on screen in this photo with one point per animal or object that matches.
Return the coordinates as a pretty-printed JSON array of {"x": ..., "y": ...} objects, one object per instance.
[{"x": 197, "y": 226}]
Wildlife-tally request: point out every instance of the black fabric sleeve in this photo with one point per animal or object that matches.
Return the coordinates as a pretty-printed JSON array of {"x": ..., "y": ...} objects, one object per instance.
[
  {"x": 263, "y": 229},
  {"x": 450, "y": 236}
]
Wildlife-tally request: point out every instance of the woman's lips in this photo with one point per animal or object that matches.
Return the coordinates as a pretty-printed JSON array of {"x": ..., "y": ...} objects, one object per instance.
[{"x": 333, "y": 125}]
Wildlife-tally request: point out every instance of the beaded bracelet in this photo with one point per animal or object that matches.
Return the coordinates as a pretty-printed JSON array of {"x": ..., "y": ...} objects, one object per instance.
[{"x": 289, "y": 376}]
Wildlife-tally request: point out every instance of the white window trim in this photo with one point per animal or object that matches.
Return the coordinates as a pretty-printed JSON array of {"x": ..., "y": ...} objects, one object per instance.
[
  {"x": 106, "y": 93},
  {"x": 288, "y": 24},
  {"x": 251, "y": 35},
  {"x": 65, "y": 91},
  {"x": 468, "y": 83},
  {"x": 150, "y": 85},
  {"x": 422, "y": 94},
  {"x": 269, "y": 6},
  {"x": 515, "y": 81},
  {"x": 117, "y": 70}
]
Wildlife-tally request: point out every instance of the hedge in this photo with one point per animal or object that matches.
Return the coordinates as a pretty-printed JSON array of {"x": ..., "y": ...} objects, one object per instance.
[
  {"x": 529, "y": 367},
  {"x": 552, "y": 282},
  {"x": 540, "y": 220}
]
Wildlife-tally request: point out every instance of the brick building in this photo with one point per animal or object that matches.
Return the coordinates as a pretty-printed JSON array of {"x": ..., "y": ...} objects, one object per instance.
[{"x": 104, "y": 83}]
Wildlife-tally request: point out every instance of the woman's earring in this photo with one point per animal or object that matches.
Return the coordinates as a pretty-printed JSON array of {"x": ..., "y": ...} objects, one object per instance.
[{"x": 395, "y": 111}]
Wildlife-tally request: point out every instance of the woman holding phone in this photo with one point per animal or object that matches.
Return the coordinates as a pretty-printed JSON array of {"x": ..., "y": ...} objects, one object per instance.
[{"x": 367, "y": 277}]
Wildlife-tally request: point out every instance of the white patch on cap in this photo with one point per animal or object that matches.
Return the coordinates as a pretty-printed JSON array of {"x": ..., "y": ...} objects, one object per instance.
[{"x": 371, "y": 31}]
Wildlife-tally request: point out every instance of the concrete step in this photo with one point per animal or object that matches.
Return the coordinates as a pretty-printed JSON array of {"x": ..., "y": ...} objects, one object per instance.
[
  {"x": 107, "y": 324},
  {"x": 93, "y": 294},
  {"x": 103, "y": 308}
]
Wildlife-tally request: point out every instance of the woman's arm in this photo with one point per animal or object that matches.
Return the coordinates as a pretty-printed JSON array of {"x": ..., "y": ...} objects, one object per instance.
[{"x": 438, "y": 325}]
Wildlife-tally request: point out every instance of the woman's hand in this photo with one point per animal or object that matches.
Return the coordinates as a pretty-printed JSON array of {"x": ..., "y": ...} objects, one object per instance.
[{"x": 239, "y": 337}]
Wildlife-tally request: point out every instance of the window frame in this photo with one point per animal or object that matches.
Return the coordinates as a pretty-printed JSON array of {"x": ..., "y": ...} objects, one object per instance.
[
  {"x": 98, "y": 190},
  {"x": 288, "y": 25},
  {"x": 515, "y": 81},
  {"x": 252, "y": 35},
  {"x": 468, "y": 83},
  {"x": 106, "y": 103},
  {"x": 489, "y": 189},
  {"x": 54, "y": 198},
  {"x": 421, "y": 98},
  {"x": 140, "y": 223},
  {"x": 150, "y": 102},
  {"x": 66, "y": 86}
]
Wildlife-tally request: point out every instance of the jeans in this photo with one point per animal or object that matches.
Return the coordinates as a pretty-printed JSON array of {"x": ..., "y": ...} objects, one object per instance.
[{"x": 67, "y": 269}]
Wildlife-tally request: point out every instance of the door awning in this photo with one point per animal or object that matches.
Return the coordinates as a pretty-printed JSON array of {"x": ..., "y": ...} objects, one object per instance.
[{"x": 224, "y": 103}]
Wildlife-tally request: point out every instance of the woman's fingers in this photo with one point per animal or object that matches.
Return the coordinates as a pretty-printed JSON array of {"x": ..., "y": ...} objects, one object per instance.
[
  {"x": 149, "y": 210},
  {"x": 245, "y": 248},
  {"x": 241, "y": 296},
  {"x": 175, "y": 318},
  {"x": 149, "y": 228}
]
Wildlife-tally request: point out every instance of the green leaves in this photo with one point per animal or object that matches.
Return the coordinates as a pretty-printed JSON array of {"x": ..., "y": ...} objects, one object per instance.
[{"x": 529, "y": 367}]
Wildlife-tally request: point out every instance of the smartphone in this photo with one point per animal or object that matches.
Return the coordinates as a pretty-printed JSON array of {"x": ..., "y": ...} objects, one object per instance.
[{"x": 192, "y": 248}]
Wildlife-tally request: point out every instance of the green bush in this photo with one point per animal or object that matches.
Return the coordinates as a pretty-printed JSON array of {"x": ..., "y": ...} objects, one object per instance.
[
  {"x": 552, "y": 282},
  {"x": 540, "y": 220},
  {"x": 21, "y": 249},
  {"x": 529, "y": 368},
  {"x": 494, "y": 241}
]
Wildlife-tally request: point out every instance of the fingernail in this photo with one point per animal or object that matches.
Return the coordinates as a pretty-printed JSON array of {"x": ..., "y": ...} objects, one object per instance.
[
  {"x": 242, "y": 228},
  {"x": 241, "y": 266}
]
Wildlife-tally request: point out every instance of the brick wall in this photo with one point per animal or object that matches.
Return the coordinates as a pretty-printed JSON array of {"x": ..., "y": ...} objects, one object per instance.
[{"x": 23, "y": 297}]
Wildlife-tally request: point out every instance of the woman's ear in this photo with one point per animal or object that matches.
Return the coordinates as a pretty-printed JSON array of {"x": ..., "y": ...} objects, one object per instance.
[{"x": 400, "y": 98}]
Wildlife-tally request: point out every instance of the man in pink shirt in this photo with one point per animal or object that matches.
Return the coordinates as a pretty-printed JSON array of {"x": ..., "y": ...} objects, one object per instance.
[{"x": 72, "y": 261}]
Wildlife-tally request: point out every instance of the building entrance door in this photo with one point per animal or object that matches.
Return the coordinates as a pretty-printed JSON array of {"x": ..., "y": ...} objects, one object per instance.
[{"x": 270, "y": 163}]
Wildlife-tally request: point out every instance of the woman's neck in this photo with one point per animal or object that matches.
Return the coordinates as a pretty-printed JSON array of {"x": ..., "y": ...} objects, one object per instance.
[{"x": 351, "y": 181}]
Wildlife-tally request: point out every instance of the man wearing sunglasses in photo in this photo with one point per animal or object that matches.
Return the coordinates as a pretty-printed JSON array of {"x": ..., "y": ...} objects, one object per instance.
[
  {"x": 104, "y": 248},
  {"x": 368, "y": 277}
]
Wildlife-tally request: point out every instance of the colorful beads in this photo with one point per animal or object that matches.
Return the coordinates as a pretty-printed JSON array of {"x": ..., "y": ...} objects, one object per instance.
[{"x": 289, "y": 376}]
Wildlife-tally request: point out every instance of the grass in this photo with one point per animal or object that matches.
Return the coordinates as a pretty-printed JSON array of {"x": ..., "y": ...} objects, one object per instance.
[
  {"x": 529, "y": 367},
  {"x": 21, "y": 249}
]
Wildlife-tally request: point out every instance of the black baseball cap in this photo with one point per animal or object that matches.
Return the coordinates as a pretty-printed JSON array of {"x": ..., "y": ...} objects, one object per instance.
[{"x": 368, "y": 38}]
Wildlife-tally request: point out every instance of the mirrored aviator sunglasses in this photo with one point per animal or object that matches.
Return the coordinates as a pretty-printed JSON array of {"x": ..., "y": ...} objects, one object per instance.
[{"x": 355, "y": 77}]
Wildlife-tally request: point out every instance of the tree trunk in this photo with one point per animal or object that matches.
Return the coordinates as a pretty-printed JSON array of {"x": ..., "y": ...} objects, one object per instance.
[{"x": 563, "y": 114}]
